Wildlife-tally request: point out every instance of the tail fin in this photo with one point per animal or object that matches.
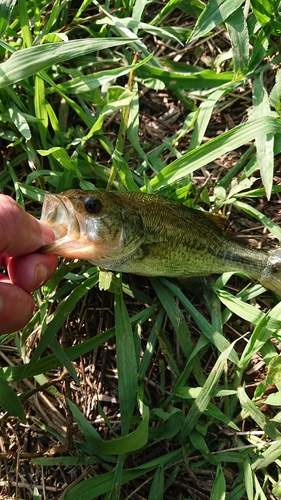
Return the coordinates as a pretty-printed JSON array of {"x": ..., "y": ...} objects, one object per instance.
[{"x": 271, "y": 275}]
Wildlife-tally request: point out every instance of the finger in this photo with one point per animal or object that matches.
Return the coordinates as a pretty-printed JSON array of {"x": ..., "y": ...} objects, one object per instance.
[
  {"x": 29, "y": 272},
  {"x": 16, "y": 307},
  {"x": 20, "y": 232}
]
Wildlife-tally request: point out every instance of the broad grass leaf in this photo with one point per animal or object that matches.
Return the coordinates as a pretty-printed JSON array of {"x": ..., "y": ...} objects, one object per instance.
[
  {"x": 124, "y": 172},
  {"x": 133, "y": 127},
  {"x": 237, "y": 493},
  {"x": 276, "y": 489},
  {"x": 64, "y": 359},
  {"x": 211, "y": 410},
  {"x": 117, "y": 97},
  {"x": 10, "y": 401},
  {"x": 174, "y": 80},
  {"x": 257, "y": 193},
  {"x": 61, "y": 156},
  {"x": 94, "y": 487},
  {"x": 156, "y": 491},
  {"x": 199, "y": 444},
  {"x": 85, "y": 117},
  {"x": 126, "y": 361},
  {"x": 47, "y": 363},
  {"x": 16, "y": 373},
  {"x": 219, "y": 486},
  {"x": 27, "y": 62},
  {"x": 201, "y": 402},
  {"x": 273, "y": 399},
  {"x": 177, "y": 319},
  {"x": 193, "y": 392},
  {"x": 119, "y": 446},
  {"x": 206, "y": 110},
  {"x": 66, "y": 460},
  {"x": 274, "y": 371},
  {"x": 259, "y": 337},
  {"x": 35, "y": 494},
  {"x": 134, "y": 26},
  {"x": 24, "y": 22},
  {"x": 258, "y": 488},
  {"x": 248, "y": 474},
  {"x": 151, "y": 344},
  {"x": 19, "y": 120},
  {"x": 241, "y": 308},
  {"x": 263, "y": 11},
  {"x": 215, "y": 12},
  {"x": 259, "y": 418},
  {"x": 40, "y": 109},
  {"x": 268, "y": 456},
  {"x": 208, "y": 152},
  {"x": 86, "y": 83},
  {"x": 260, "y": 48},
  {"x": 171, "y": 425},
  {"x": 275, "y": 94},
  {"x": 6, "y": 8},
  {"x": 238, "y": 31},
  {"x": 212, "y": 334},
  {"x": 272, "y": 227},
  {"x": 215, "y": 413},
  {"x": 138, "y": 11},
  {"x": 264, "y": 141},
  {"x": 193, "y": 8},
  {"x": 62, "y": 312}
]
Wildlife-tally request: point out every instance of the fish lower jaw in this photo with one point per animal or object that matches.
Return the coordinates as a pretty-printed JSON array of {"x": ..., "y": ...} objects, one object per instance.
[{"x": 69, "y": 248}]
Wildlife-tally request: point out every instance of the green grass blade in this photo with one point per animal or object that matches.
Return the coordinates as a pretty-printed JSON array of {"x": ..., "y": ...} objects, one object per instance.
[
  {"x": 269, "y": 455},
  {"x": 206, "y": 328},
  {"x": 264, "y": 141},
  {"x": 219, "y": 486},
  {"x": 214, "y": 148},
  {"x": 239, "y": 35},
  {"x": 186, "y": 78},
  {"x": 242, "y": 309},
  {"x": 19, "y": 120},
  {"x": 85, "y": 83},
  {"x": 260, "y": 419},
  {"x": 126, "y": 361},
  {"x": 27, "y": 62},
  {"x": 205, "y": 112},
  {"x": 249, "y": 483},
  {"x": 201, "y": 402},
  {"x": 93, "y": 487},
  {"x": 16, "y": 373},
  {"x": 6, "y": 7},
  {"x": 119, "y": 446},
  {"x": 10, "y": 401},
  {"x": 156, "y": 491},
  {"x": 271, "y": 226},
  {"x": 215, "y": 12},
  {"x": 24, "y": 21},
  {"x": 61, "y": 313},
  {"x": 176, "y": 316},
  {"x": 64, "y": 359}
]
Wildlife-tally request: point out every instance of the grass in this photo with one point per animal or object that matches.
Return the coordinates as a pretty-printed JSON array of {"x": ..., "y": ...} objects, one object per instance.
[{"x": 163, "y": 394}]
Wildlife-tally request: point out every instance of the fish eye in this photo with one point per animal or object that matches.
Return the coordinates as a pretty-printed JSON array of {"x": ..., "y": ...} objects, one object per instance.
[{"x": 93, "y": 205}]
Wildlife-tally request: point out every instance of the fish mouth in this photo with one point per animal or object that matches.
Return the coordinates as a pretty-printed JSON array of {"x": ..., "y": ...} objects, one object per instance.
[{"x": 69, "y": 227}]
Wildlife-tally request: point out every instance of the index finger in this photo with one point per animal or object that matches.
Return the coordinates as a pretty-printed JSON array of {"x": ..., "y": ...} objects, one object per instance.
[{"x": 20, "y": 232}]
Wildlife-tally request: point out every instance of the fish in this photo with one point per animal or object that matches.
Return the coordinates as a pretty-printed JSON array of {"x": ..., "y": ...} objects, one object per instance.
[{"x": 150, "y": 235}]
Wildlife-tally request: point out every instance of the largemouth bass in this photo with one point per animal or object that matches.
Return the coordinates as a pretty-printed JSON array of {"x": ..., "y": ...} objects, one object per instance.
[{"x": 150, "y": 235}]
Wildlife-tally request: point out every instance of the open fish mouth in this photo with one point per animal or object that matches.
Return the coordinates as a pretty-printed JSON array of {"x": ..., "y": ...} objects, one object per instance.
[{"x": 68, "y": 226}]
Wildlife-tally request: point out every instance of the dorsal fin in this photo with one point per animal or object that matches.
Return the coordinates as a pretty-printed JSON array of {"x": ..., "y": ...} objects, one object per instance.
[{"x": 219, "y": 220}]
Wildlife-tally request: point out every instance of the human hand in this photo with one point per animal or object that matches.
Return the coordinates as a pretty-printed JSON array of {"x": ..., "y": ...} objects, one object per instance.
[{"x": 20, "y": 236}]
